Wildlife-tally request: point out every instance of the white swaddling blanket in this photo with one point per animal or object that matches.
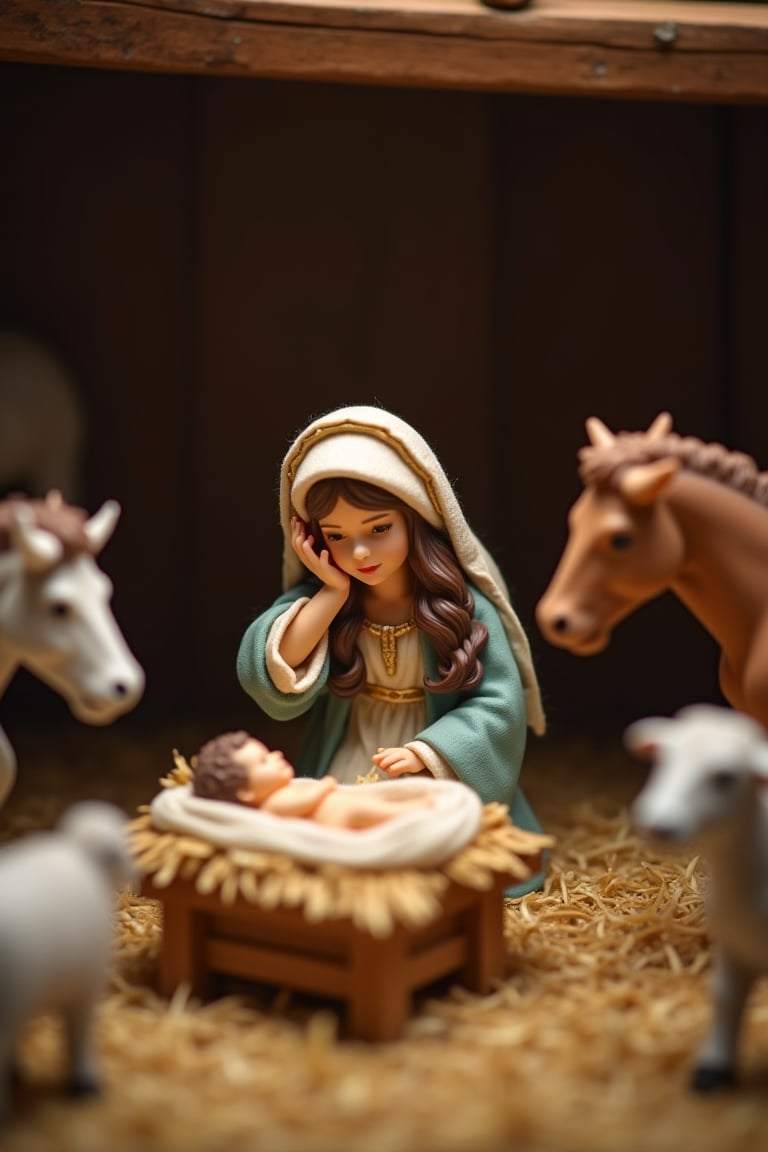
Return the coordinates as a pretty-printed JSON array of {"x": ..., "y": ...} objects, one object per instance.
[{"x": 411, "y": 838}]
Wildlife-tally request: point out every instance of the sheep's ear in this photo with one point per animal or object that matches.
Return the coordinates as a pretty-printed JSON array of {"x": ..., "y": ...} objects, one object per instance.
[
  {"x": 643, "y": 736},
  {"x": 758, "y": 762}
]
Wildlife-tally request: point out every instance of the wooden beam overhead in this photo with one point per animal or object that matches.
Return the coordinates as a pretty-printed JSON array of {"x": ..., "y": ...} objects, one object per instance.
[{"x": 679, "y": 51}]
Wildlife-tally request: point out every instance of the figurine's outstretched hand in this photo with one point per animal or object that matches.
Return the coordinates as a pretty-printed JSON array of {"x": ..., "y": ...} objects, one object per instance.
[
  {"x": 398, "y": 762},
  {"x": 322, "y": 565}
]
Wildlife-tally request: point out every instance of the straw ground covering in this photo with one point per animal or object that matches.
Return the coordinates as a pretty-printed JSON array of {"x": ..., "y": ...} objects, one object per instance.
[{"x": 585, "y": 1046}]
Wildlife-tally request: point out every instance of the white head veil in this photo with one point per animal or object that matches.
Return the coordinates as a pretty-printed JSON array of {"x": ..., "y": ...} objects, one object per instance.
[{"x": 371, "y": 444}]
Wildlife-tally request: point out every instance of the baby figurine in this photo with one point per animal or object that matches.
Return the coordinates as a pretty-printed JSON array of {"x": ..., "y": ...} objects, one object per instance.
[{"x": 237, "y": 767}]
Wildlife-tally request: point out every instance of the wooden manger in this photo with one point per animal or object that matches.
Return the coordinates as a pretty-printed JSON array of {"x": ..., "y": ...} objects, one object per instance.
[{"x": 366, "y": 940}]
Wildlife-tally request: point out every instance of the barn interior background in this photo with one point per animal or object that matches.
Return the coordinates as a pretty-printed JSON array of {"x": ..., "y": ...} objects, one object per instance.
[{"x": 216, "y": 258}]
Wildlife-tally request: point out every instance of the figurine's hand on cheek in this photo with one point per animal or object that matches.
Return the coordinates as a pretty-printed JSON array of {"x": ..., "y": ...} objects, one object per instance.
[
  {"x": 321, "y": 566},
  {"x": 330, "y": 575},
  {"x": 301, "y": 542},
  {"x": 299, "y": 534}
]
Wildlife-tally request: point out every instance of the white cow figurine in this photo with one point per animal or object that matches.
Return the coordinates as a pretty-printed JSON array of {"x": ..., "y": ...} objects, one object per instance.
[
  {"x": 55, "y": 615},
  {"x": 708, "y": 784},
  {"x": 57, "y": 897}
]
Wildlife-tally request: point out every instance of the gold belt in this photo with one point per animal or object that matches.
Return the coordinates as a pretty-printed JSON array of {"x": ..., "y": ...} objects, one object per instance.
[{"x": 394, "y": 695}]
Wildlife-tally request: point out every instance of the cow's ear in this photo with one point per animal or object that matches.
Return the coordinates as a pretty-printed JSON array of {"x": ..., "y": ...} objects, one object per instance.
[
  {"x": 643, "y": 736},
  {"x": 101, "y": 525},
  {"x": 38, "y": 548}
]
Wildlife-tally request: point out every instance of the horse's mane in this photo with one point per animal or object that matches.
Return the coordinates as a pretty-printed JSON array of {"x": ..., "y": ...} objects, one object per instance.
[
  {"x": 601, "y": 463},
  {"x": 64, "y": 521}
]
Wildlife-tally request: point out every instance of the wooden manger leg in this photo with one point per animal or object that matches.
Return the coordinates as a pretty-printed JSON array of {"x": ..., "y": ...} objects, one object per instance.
[
  {"x": 379, "y": 999},
  {"x": 181, "y": 955},
  {"x": 486, "y": 954}
]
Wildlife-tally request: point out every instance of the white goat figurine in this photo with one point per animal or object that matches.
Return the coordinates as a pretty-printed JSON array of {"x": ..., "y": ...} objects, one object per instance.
[
  {"x": 55, "y": 616},
  {"x": 708, "y": 784},
  {"x": 57, "y": 897}
]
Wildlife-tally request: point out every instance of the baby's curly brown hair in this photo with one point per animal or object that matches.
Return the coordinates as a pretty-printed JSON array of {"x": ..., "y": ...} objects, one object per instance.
[{"x": 217, "y": 775}]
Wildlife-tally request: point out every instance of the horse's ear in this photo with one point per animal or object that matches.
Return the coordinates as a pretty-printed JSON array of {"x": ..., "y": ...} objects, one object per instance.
[
  {"x": 39, "y": 549},
  {"x": 600, "y": 436},
  {"x": 660, "y": 427},
  {"x": 644, "y": 736},
  {"x": 643, "y": 483},
  {"x": 101, "y": 525}
]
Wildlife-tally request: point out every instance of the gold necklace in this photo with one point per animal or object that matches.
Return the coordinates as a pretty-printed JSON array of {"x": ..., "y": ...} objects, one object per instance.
[{"x": 388, "y": 635}]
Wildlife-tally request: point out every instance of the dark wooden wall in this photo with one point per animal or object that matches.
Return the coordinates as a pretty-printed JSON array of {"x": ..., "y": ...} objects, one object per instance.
[{"x": 217, "y": 260}]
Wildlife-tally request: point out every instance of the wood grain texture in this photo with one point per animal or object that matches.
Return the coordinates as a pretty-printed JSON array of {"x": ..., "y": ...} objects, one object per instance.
[{"x": 644, "y": 50}]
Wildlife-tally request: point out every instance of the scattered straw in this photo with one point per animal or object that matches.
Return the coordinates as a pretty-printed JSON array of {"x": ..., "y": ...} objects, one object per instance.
[{"x": 586, "y": 1045}]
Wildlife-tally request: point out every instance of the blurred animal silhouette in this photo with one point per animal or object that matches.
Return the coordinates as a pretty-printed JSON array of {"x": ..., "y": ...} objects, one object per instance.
[
  {"x": 708, "y": 786},
  {"x": 42, "y": 426},
  {"x": 56, "y": 924}
]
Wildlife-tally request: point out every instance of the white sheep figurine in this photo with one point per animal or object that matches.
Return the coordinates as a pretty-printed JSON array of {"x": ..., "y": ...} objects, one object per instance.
[
  {"x": 57, "y": 904},
  {"x": 708, "y": 784}
]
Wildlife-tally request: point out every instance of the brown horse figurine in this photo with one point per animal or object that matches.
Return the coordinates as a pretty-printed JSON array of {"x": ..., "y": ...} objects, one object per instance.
[{"x": 660, "y": 512}]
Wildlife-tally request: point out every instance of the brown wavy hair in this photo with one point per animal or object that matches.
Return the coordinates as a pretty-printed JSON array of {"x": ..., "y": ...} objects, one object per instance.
[{"x": 443, "y": 604}]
